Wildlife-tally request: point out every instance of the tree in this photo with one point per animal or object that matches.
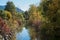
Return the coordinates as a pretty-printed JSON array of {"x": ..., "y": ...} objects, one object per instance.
[
  {"x": 35, "y": 15},
  {"x": 26, "y": 15},
  {"x": 10, "y": 7},
  {"x": 50, "y": 10},
  {"x": 34, "y": 21},
  {"x": 5, "y": 14},
  {"x": 4, "y": 29}
]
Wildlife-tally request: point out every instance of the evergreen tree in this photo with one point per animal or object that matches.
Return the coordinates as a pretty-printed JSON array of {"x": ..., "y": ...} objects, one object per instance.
[
  {"x": 10, "y": 7},
  {"x": 26, "y": 15}
]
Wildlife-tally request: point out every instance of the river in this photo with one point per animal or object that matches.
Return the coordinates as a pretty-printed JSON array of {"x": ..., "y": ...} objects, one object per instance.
[{"x": 24, "y": 35}]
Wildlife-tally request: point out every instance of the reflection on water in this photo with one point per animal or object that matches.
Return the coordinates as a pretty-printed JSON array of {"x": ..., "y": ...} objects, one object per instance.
[{"x": 24, "y": 35}]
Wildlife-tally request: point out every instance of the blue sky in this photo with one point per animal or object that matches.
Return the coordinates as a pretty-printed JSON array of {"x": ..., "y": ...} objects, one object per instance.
[{"x": 22, "y": 4}]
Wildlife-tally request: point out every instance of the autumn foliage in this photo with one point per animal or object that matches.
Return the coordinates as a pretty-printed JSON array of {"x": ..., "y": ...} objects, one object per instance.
[{"x": 4, "y": 27}]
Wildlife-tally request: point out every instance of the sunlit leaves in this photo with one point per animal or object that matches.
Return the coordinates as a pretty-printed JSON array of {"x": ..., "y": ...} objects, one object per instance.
[
  {"x": 5, "y": 14},
  {"x": 8, "y": 14},
  {"x": 34, "y": 22}
]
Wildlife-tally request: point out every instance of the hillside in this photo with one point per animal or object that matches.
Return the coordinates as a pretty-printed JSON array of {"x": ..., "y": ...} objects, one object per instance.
[{"x": 17, "y": 9}]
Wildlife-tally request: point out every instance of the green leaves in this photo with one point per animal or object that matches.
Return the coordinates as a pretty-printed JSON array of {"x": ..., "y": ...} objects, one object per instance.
[
  {"x": 50, "y": 10},
  {"x": 5, "y": 14},
  {"x": 10, "y": 7}
]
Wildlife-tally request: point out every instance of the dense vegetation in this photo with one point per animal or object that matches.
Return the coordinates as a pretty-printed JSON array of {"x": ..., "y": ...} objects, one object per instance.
[
  {"x": 11, "y": 21},
  {"x": 43, "y": 21}
]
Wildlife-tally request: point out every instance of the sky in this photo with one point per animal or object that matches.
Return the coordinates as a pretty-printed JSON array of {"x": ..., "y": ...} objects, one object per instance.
[{"x": 21, "y": 4}]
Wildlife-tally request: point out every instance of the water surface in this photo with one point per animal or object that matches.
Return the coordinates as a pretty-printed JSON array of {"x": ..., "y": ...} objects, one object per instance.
[{"x": 24, "y": 35}]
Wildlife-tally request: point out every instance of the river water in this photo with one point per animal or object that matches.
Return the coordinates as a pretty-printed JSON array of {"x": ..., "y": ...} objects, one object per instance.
[{"x": 24, "y": 35}]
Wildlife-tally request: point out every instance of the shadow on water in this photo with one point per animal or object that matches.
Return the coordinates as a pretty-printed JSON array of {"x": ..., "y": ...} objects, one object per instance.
[{"x": 24, "y": 35}]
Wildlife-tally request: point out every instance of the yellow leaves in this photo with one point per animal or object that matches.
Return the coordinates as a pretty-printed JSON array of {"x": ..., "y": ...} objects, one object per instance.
[
  {"x": 34, "y": 13},
  {"x": 32, "y": 9},
  {"x": 44, "y": 0},
  {"x": 32, "y": 33},
  {"x": 15, "y": 24},
  {"x": 8, "y": 14},
  {"x": 35, "y": 17},
  {"x": 53, "y": 5},
  {"x": 15, "y": 21},
  {"x": 55, "y": 1}
]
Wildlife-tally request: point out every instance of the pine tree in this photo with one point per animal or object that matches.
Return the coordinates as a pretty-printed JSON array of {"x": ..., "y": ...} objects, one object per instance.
[{"x": 10, "y": 7}]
